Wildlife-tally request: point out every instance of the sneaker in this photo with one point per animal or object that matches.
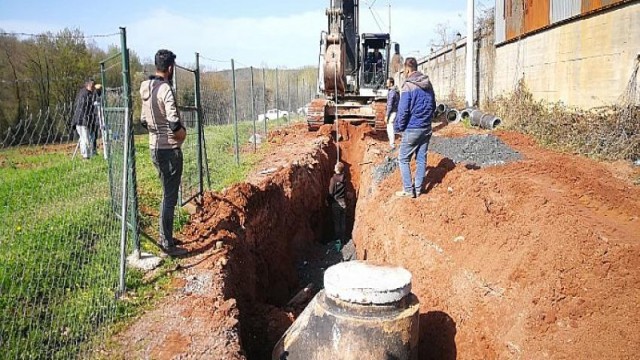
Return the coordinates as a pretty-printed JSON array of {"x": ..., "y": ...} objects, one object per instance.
[
  {"x": 175, "y": 251},
  {"x": 403, "y": 193},
  {"x": 172, "y": 250}
]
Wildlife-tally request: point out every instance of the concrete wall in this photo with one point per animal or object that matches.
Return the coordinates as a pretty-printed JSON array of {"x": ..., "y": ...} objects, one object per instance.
[{"x": 584, "y": 63}]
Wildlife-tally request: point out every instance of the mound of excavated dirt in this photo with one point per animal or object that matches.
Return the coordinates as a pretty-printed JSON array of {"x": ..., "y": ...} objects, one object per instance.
[
  {"x": 240, "y": 292},
  {"x": 535, "y": 259},
  {"x": 539, "y": 258}
]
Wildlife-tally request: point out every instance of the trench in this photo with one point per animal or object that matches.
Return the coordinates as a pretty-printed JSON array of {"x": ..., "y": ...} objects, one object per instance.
[
  {"x": 469, "y": 244},
  {"x": 287, "y": 240}
]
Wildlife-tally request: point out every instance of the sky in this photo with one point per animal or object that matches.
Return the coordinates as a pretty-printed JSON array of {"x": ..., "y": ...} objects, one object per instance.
[{"x": 256, "y": 33}]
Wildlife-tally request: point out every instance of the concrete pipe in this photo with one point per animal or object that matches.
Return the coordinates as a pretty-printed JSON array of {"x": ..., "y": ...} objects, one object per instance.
[
  {"x": 441, "y": 109},
  {"x": 489, "y": 122},
  {"x": 365, "y": 312},
  {"x": 440, "y": 112},
  {"x": 474, "y": 116},
  {"x": 453, "y": 115}
]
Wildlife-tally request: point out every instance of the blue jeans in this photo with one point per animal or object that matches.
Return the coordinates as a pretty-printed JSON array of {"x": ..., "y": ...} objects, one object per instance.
[{"x": 414, "y": 141}]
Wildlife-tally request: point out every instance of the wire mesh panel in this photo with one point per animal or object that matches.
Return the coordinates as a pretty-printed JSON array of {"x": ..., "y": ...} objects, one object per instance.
[
  {"x": 112, "y": 114},
  {"x": 185, "y": 86},
  {"x": 59, "y": 238},
  {"x": 259, "y": 99},
  {"x": 216, "y": 89}
]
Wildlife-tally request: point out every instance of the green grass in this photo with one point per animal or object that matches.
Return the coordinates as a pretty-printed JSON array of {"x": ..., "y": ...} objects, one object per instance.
[{"x": 60, "y": 240}]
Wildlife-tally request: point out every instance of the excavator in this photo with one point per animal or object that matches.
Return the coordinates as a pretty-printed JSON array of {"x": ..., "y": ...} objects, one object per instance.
[{"x": 352, "y": 71}]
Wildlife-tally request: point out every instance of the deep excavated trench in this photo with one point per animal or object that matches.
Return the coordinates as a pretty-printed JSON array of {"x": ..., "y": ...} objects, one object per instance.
[
  {"x": 526, "y": 264},
  {"x": 285, "y": 230}
]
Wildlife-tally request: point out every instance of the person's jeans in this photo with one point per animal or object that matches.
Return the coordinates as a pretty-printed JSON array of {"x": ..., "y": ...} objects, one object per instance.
[
  {"x": 414, "y": 141},
  {"x": 169, "y": 165}
]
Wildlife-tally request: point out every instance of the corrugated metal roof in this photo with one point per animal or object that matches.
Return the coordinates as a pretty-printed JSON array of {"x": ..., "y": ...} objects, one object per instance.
[
  {"x": 500, "y": 22},
  {"x": 536, "y": 15},
  {"x": 564, "y": 9}
]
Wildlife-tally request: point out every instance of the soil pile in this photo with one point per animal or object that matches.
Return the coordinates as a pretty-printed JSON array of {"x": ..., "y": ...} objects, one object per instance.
[{"x": 534, "y": 259}]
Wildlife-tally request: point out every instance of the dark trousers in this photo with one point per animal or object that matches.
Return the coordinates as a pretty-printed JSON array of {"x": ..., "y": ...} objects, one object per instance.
[
  {"x": 95, "y": 131},
  {"x": 169, "y": 166},
  {"x": 339, "y": 212}
]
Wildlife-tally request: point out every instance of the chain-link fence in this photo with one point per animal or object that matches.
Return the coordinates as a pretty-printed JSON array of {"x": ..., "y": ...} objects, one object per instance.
[
  {"x": 59, "y": 235},
  {"x": 241, "y": 104},
  {"x": 67, "y": 169}
]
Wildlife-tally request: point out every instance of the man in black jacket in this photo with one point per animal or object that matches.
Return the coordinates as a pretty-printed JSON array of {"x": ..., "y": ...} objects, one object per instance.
[
  {"x": 337, "y": 198},
  {"x": 84, "y": 118}
]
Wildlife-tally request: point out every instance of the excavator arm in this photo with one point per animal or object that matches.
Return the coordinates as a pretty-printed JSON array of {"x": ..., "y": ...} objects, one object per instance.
[{"x": 341, "y": 57}]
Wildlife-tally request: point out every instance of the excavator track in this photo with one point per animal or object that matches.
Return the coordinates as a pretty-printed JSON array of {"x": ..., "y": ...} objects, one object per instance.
[
  {"x": 316, "y": 114},
  {"x": 380, "y": 109}
]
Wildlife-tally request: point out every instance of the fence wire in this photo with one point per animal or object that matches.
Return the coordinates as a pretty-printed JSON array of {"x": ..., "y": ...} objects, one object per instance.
[
  {"x": 274, "y": 98},
  {"x": 185, "y": 85},
  {"x": 59, "y": 234},
  {"x": 59, "y": 212}
]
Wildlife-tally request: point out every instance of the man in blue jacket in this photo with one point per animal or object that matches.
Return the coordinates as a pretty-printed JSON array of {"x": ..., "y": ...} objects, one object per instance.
[{"x": 415, "y": 111}]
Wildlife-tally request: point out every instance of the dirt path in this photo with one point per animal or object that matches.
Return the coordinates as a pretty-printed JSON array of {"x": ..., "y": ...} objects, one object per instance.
[{"x": 539, "y": 258}]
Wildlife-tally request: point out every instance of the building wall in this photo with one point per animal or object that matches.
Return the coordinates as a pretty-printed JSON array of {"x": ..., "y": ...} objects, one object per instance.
[{"x": 585, "y": 63}]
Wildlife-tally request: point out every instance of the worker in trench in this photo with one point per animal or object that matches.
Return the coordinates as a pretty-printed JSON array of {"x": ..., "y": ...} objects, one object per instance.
[{"x": 337, "y": 200}]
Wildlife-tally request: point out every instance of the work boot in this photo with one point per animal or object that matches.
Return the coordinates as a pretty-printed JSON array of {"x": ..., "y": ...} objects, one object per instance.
[
  {"x": 403, "y": 193},
  {"x": 175, "y": 251},
  {"x": 169, "y": 248}
]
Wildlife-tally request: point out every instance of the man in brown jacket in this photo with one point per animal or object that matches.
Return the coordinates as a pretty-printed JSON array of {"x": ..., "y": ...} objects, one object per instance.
[{"x": 166, "y": 134}]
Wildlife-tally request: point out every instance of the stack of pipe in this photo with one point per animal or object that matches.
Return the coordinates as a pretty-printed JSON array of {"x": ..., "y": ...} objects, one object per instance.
[
  {"x": 476, "y": 117},
  {"x": 483, "y": 120}
]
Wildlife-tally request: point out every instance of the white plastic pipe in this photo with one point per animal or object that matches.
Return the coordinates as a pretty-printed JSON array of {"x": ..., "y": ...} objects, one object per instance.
[{"x": 470, "y": 51}]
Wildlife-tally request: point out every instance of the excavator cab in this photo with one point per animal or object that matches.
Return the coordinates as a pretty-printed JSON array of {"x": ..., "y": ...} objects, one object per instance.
[{"x": 375, "y": 62}]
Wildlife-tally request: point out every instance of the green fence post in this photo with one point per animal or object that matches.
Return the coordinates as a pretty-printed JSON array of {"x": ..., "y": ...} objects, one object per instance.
[
  {"x": 199, "y": 127},
  {"x": 288, "y": 96},
  {"x": 125, "y": 176},
  {"x": 277, "y": 96},
  {"x": 264, "y": 100},
  {"x": 235, "y": 112},
  {"x": 133, "y": 176},
  {"x": 253, "y": 112}
]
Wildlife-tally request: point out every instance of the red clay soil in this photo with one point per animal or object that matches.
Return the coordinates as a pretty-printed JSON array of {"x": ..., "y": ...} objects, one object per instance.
[
  {"x": 264, "y": 225},
  {"x": 535, "y": 259}
]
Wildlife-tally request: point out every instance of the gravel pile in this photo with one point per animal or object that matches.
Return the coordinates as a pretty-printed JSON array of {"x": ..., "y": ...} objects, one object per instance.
[
  {"x": 385, "y": 169},
  {"x": 198, "y": 284},
  {"x": 475, "y": 150}
]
